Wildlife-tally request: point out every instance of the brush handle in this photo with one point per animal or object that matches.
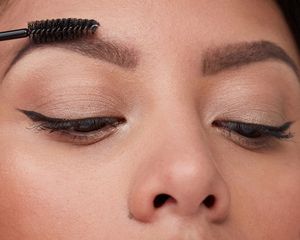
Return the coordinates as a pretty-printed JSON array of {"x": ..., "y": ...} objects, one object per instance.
[{"x": 14, "y": 34}]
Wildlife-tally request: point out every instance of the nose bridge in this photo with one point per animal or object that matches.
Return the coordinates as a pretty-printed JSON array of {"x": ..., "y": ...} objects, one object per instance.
[
  {"x": 183, "y": 134},
  {"x": 185, "y": 163},
  {"x": 182, "y": 144}
]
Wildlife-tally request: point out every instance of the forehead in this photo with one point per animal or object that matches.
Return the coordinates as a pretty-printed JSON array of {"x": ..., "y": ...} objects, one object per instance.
[
  {"x": 185, "y": 23},
  {"x": 3, "y": 5}
]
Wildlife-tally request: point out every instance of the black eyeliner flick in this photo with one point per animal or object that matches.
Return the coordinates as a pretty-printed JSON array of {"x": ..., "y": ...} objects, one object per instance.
[
  {"x": 78, "y": 125},
  {"x": 251, "y": 130}
]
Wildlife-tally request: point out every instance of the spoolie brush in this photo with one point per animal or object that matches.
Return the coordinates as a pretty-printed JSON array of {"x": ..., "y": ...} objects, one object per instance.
[{"x": 53, "y": 30}]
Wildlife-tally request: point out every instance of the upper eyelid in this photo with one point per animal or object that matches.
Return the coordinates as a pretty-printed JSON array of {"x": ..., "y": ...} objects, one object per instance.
[
  {"x": 256, "y": 143},
  {"x": 280, "y": 132},
  {"x": 35, "y": 116},
  {"x": 55, "y": 122},
  {"x": 283, "y": 127},
  {"x": 38, "y": 117}
]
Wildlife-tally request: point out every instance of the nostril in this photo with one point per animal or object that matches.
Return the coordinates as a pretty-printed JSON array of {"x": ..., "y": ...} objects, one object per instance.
[
  {"x": 161, "y": 199},
  {"x": 209, "y": 201}
]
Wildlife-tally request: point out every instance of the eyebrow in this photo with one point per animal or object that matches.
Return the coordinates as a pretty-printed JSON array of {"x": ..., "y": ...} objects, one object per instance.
[
  {"x": 215, "y": 59},
  {"x": 237, "y": 55},
  {"x": 97, "y": 48}
]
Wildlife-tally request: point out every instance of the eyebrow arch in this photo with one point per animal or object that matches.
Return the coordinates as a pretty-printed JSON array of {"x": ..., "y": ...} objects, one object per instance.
[
  {"x": 239, "y": 54},
  {"x": 97, "y": 48}
]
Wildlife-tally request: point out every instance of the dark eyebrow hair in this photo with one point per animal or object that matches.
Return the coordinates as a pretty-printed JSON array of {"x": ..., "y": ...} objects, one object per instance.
[
  {"x": 215, "y": 60},
  {"x": 236, "y": 55},
  {"x": 98, "y": 48}
]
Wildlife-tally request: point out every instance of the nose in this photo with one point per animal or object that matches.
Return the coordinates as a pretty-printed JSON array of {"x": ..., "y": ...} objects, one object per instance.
[{"x": 178, "y": 175}]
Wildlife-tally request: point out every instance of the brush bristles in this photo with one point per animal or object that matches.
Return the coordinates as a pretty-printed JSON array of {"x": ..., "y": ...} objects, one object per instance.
[{"x": 61, "y": 29}]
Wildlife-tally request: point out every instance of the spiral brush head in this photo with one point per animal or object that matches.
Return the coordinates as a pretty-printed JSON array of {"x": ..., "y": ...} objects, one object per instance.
[{"x": 61, "y": 29}]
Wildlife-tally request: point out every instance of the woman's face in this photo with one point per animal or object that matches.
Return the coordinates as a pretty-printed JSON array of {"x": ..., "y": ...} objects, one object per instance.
[{"x": 198, "y": 141}]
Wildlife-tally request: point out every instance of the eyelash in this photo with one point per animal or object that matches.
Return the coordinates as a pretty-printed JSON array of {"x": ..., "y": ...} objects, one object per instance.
[
  {"x": 253, "y": 136},
  {"x": 78, "y": 131},
  {"x": 91, "y": 130}
]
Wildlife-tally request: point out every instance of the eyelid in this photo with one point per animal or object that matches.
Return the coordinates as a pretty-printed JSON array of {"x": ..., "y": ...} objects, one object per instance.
[
  {"x": 281, "y": 128},
  {"x": 266, "y": 140},
  {"x": 38, "y": 117},
  {"x": 77, "y": 131}
]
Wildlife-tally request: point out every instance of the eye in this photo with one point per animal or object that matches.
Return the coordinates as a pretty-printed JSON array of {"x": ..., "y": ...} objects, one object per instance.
[
  {"x": 252, "y": 135},
  {"x": 79, "y": 131}
]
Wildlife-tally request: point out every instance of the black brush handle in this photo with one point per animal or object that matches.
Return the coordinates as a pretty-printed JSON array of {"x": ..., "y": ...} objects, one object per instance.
[{"x": 14, "y": 34}]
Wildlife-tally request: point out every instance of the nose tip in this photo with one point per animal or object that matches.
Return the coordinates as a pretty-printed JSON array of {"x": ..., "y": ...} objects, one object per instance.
[{"x": 180, "y": 192}]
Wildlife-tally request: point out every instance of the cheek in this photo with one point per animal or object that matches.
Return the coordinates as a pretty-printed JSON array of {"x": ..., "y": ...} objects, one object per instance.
[
  {"x": 264, "y": 188},
  {"x": 278, "y": 208},
  {"x": 31, "y": 195},
  {"x": 268, "y": 204},
  {"x": 65, "y": 192}
]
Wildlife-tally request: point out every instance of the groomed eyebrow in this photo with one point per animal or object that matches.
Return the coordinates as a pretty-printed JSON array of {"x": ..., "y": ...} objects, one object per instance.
[
  {"x": 237, "y": 55},
  {"x": 215, "y": 60},
  {"x": 97, "y": 48}
]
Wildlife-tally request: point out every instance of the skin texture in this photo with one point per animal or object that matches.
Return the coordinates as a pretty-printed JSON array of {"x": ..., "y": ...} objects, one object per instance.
[{"x": 55, "y": 188}]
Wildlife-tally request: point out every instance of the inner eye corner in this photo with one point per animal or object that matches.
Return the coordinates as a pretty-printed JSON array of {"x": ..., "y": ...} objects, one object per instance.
[
  {"x": 217, "y": 123},
  {"x": 214, "y": 123}
]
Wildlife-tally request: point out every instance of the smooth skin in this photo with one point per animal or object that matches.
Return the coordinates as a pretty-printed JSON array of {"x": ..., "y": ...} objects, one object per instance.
[{"x": 54, "y": 187}]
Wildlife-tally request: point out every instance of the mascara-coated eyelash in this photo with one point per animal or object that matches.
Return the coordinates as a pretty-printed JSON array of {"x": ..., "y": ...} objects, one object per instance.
[
  {"x": 87, "y": 129},
  {"x": 253, "y": 135}
]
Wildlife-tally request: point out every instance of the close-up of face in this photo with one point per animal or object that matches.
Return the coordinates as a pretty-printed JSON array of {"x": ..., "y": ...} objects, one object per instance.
[{"x": 175, "y": 120}]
